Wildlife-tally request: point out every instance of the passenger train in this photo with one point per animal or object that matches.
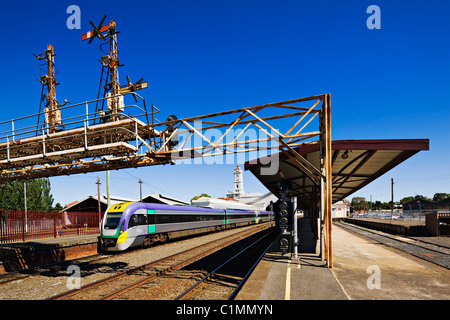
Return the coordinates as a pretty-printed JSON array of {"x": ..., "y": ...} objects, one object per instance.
[{"x": 136, "y": 224}]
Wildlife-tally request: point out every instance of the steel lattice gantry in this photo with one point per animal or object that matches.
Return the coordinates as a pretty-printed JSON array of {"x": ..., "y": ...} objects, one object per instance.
[{"x": 91, "y": 141}]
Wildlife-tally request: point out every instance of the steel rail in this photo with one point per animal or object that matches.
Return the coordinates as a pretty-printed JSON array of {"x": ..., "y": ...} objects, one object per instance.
[
  {"x": 211, "y": 274},
  {"x": 182, "y": 264},
  {"x": 236, "y": 291},
  {"x": 70, "y": 293}
]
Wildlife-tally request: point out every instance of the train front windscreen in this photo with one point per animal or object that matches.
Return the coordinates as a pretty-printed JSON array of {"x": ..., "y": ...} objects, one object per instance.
[{"x": 112, "y": 220}]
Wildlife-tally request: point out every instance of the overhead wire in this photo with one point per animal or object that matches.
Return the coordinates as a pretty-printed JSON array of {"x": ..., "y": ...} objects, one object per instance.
[{"x": 145, "y": 182}]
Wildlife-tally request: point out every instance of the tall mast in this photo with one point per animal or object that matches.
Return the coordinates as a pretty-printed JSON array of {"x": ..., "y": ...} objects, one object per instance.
[
  {"x": 111, "y": 63},
  {"x": 114, "y": 70},
  {"x": 52, "y": 113}
]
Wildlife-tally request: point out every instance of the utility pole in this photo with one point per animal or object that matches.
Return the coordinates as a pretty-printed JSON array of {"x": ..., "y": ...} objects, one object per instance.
[
  {"x": 25, "y": 204},
  {"x": 392, "y": 198},
  {"x": 140, "y": 190},
  {"x": 25, "y": 196},
  {"x": 108, "y": 196},
  {"x": 99, "y": 203}
]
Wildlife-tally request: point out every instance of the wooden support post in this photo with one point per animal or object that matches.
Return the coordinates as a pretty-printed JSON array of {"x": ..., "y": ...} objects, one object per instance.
[
  {"x": 326, "y": 180},
  {"x": 329, "y": 177}
]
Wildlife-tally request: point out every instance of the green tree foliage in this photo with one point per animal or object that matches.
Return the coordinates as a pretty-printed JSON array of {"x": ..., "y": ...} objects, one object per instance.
[
  {"x": 406, "y": 200},
  {"x": 58, "y": 207},
  {"x": 39, "y": 197},
  {"x": 436, "y": 197},
  {"x": 359, "y": 204},
  {"x": 380, "y": 205},
  {"x": 419, "y": 196},
  {"x": 440, "y": 196}
]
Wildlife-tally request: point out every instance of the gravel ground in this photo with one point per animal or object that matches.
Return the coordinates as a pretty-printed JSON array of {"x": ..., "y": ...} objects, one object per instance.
[
  {"x": 54, "y": 282},
  {"x": 219, "y": 287}
]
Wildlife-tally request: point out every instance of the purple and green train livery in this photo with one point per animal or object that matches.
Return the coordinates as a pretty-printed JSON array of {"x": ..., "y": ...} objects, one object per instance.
[{"x": 136, "y": 224}]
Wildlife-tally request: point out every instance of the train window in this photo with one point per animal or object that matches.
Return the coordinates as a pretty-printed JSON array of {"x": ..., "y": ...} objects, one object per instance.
[
  {"x": 179, "y": 218},
  {"x": 112, "y": 220},
  {"x": 133, "y": 221},
  {"x": 142, "y": 219},
  {"x": 151, "y": 219},
  {"x": 240, "y": 216},
  {"x": 137, "y": 220}
]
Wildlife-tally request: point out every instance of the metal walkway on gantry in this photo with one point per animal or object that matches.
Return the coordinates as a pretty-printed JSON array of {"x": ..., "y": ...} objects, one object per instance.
[
  {"x": 91, "y": 141},
  {"x": 87, "y": 141}
]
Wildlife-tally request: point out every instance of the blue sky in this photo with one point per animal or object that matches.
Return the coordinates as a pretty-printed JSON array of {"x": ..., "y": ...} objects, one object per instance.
[{"x": 201, "y": 57}]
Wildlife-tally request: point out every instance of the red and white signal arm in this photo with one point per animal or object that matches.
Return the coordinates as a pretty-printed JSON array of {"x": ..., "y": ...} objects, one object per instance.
[{"x": 91, "y": 33}]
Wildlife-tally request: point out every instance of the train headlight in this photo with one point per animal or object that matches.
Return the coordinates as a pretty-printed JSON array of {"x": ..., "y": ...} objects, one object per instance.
[
  {"x": 122, "y": 234},
  {"x": 122, "y": 227}
]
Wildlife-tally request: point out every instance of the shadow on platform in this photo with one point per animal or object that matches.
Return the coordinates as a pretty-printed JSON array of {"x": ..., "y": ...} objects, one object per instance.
[{"x": 22, "y": 256}]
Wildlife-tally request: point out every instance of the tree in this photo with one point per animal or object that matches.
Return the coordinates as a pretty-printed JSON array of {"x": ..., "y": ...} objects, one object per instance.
[
  {"x": 360, "y": 204},
  {"x": 39, "y": 197},
  {"x": 58, "y": 207},
  {"x": 440, "y": 196},
  {"x": 420, "y": 197},
  {"x": 406, "y": 199},
  {"x": 437, "y": 197}
]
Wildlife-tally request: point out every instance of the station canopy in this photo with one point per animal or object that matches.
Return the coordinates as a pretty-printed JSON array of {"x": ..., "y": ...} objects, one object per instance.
[{"x": 355, "y": 163}]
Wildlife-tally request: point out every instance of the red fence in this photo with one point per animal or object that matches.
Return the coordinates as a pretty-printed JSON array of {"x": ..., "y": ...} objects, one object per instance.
[{"x": 21, "y": 226}]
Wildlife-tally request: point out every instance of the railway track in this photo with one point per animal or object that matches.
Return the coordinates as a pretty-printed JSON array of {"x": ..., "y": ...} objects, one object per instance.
[
  {"x": 224, "y": 282},
  {"x": 438, "y": 254},
  {"x": 121, "y": 285},
  {"x": 54, "y": 267},
  {"x": 59, "y": 266}
]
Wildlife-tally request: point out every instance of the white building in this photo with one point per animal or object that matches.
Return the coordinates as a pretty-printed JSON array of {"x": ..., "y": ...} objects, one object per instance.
[
  {"x": 340, "y": 209},
  {"x": 238, "y": 185},
  {"x": 238, "y": 199},
  {"x": 220, "y": 203},
  {"x": 255, "y": 200}
]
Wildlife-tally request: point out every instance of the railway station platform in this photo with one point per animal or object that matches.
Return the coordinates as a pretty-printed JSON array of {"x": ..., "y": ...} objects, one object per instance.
[
  {"x": 401, "y": 227},
  {"x": 24, "y": 255},
  {"x": 363, "y": 270}
]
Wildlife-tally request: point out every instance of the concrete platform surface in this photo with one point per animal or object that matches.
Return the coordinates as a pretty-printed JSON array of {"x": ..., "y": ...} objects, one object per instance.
[
  {"x": 407, "y": 223},
  {"x": 367, "y": 269},
  {"x": 63, "y": 241},
  {"x": 363, "y": 270}
]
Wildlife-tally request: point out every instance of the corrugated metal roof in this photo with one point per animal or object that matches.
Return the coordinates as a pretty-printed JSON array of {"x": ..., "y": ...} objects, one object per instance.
[
  {"x": 163, "y": 199},
  {"x": 355, "y": 163},
  {"x": 113, "y": 199}
]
